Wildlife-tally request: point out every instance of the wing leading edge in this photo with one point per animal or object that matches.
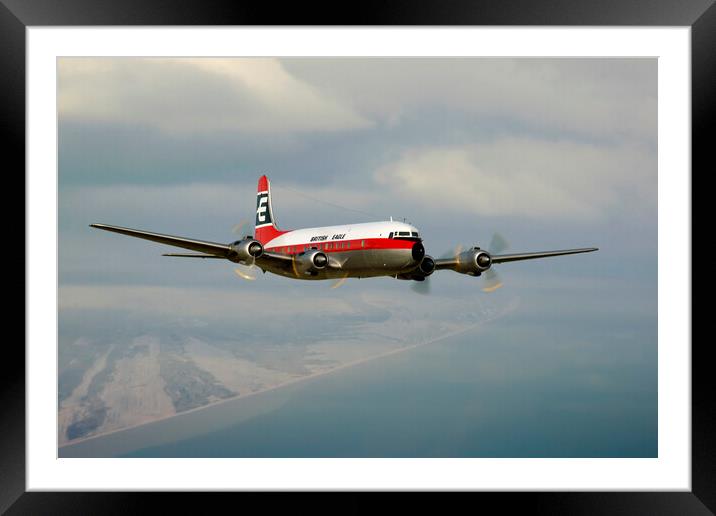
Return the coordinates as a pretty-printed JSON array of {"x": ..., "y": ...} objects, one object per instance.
[
  {"x": 207, "y": 249},
  {"x": 503, "y": 258},
  {"x": 451, "y": 263},
  {"x": 210, "y": 248}
]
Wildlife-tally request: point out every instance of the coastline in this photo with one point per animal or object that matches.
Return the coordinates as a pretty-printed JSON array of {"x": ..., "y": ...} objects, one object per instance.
[{"x": 295, "y": 380}]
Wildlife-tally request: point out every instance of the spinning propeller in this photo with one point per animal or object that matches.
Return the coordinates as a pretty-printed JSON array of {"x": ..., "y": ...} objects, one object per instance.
[
  {"x": 247, "y": 272},
  {"x": 492, "y": 279}
]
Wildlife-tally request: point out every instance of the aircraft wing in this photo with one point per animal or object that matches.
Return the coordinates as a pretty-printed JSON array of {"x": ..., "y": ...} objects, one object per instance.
[
  {"x": 446, "y": 263},
  {"x": 288, "y": 262},
  {"x": 267, "y": 258},
  {"x": 451, "y": 263},
  {"x": 205, "y": 249},
  {"x": 208, "y": 248},
  {"x": 196, "y": 255},
  {"x": 502, "y": 258}
]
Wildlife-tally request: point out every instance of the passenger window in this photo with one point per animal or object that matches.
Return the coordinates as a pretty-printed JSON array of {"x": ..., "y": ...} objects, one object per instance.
[
  {"x": 348, "y": 245},
  {"x": 362, "y": 243}
]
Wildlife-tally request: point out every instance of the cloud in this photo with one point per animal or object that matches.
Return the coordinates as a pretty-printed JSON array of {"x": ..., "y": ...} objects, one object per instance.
[
  {"x": 194, "y": 302},
  {"x": 198, "y": 95},
  {"x": 550, "y": 152},
  {"x": 604, "y": 98},
  {"x": 526, "y": 177},
  {"x": 230, "y": 203},
  {"x": 248, "y": 301},
  {"x": 506, "y": 177}
]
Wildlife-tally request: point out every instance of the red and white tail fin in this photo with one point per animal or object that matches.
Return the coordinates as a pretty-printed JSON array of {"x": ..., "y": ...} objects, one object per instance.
[{"x": 266, "y": 229}]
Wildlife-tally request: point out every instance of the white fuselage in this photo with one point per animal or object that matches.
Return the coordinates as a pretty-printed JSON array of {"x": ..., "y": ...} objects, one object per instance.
[{"x": 355, "y": 250}]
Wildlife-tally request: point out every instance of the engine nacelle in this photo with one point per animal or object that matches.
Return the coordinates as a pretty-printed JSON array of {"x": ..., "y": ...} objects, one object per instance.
[
  {"x": 474, "y": 262},
  {"x": 427, "y": 266},
  {"x": 425, "y": 269},
  {"x": 245, "y": 250},
  {"x": 310, "y": 262}
]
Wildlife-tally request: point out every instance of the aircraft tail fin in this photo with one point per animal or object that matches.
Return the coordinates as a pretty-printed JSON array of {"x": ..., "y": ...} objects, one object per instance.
[{"x": 265, "y": 229}]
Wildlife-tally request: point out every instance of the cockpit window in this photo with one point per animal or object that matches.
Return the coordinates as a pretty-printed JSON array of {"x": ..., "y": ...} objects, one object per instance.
[
  {"x": 405, "y": 235},
  {"x": 390, "y": 235}
]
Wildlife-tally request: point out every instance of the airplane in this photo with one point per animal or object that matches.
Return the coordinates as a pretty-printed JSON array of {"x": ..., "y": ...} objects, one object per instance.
[{"x": 364, "y": 250}]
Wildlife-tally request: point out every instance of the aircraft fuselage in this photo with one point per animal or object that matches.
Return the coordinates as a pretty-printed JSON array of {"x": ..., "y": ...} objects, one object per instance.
[{"x": 361, "y": 250}]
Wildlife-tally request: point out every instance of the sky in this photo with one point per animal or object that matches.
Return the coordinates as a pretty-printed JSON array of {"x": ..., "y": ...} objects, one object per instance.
[{"x": 551, "y": 153}]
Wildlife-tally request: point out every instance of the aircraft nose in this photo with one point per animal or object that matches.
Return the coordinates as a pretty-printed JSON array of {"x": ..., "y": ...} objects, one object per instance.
[{"x": 418, "y": 251}]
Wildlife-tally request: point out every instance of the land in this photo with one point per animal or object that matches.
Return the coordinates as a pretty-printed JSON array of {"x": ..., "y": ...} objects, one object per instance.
[{"x": 145, "y": 374}]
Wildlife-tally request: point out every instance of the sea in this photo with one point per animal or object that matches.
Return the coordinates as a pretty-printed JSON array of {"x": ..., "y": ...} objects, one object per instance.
[{"x": 516, "y": 387}]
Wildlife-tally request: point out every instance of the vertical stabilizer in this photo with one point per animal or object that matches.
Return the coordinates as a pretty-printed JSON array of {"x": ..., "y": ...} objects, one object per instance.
[{"x": 266, "y": 229}]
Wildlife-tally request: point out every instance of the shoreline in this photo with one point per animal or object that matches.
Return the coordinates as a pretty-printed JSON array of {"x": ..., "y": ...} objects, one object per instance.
[{"x": 293, "y": 381}]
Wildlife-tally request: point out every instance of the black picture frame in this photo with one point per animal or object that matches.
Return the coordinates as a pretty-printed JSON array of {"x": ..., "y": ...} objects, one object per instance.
[{"x": 17, "y": 15}]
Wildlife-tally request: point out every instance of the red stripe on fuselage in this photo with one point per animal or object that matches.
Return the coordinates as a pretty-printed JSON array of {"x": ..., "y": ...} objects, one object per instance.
[{"x": 362, "y": 244}]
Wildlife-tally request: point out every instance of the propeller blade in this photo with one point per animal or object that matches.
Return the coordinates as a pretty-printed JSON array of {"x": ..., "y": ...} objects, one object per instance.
[
  {"x": 238, "y": 229},
  {"x": 498, "y": 244},
  {"x": 248, "y": 272},
  {"x": 339, "y": 282},
  {"x": 453, "y": 253},
  {"x": 457, "y": 251},
  {"x": 245, "y": 274},
  {"x": 421, "y": 287},
  {"x": 492, "y": 281}
]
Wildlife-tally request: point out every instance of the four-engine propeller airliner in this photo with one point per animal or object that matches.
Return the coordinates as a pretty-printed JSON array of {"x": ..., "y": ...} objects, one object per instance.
[{"x": 364, "y": 250}]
